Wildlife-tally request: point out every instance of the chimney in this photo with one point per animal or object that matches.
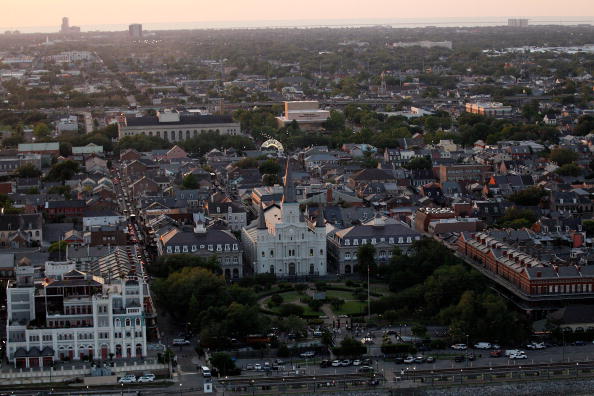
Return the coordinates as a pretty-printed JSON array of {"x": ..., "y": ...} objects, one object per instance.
[
  {"x": 329, "y": 195},
  {"x": 538, "y": 274}
]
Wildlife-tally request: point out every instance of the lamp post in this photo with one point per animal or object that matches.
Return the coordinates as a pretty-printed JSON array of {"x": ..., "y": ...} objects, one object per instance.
[{"x": 180, "y": 389}]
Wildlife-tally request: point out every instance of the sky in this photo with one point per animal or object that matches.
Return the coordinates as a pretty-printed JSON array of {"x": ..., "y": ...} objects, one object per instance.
[{"x": 27, "y": 13}]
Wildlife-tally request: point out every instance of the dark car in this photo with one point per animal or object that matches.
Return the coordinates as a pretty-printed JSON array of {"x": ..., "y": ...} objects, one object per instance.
[
  {"x": 430, "y": 359},
  {"x": 399, "y": 360},
  {"x": 579, "y": 343},
  {"x": 459, "y": 358},
  {"x": 325, "y": 364},
  {"x": 496, "y": 354},
  {"x": 470, "y": 356}
]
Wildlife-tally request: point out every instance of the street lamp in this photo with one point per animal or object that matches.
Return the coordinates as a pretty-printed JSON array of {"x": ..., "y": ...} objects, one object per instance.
[{"x": 180, "y": 389}]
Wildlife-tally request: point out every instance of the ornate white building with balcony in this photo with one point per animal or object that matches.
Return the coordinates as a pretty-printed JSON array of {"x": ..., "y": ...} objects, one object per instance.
[{"x": 73, "y": 316}]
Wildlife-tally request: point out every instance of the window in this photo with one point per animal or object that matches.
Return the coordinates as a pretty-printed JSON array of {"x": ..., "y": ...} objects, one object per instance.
[
  {"x": 210, "y": 248},
  {"x": 391, "y": 240},
  {"x": 373, "y": 241},
  {"x": 235, "y": 246},
  {"x": 194, "y": 248},
  {"x": 347, "y": 255},
  {"x": 355, "y": 242},
  {"x": 185, "y": 249},
  {"x": 311, "y": 252},
  {"x": 127, "y": 322},
  {"x": 227, "y": 247},
  {"x": 177, "y": 249},
  {"x": 219, "y": 248},
  {"x": 169, "y": 250}
]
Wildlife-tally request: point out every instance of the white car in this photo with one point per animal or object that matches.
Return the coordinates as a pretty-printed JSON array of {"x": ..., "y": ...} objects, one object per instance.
[
  {"x": 127, "y": 379},
  {"x": 257, "y": 367},
  {"x": 483, "y": 345},
  {"x": 356, "y": 362},
  {"x": 459, "y": 347},
  {"x": 536, "y": 345},
  {"x": 409, "y": 360},
  {"x": 308, "y": 354},
  {"x": 518, "y": 356},
  {"x": 336, "y": 363},
  {"x": 146, "y": 378}
]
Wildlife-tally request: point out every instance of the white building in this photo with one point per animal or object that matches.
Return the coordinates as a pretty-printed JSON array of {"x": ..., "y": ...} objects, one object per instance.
[
  {"x": 93, "y": 218},
  {"x": 306, "y": 113},
  {"x": 283, "y": 242},
  {"x": 73, "y": 316}
]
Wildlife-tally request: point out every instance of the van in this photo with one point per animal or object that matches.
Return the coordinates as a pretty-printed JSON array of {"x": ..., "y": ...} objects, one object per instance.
[
  {"x": 206, "y": 372},
  {"x": 483, "y": 345},
  {"x": 510, "y": 352}
]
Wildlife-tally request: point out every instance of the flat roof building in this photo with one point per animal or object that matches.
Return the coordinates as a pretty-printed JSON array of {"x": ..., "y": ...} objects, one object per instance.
[
  {"x": 306, "y": 113},
  {"x": 174, "y": 126}
]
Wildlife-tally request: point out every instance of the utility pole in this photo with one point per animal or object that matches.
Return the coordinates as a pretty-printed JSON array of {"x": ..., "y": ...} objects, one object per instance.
[{"x": 368, "y": 295}]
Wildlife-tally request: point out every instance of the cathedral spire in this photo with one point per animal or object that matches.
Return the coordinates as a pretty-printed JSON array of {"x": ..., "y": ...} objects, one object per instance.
[
  {"x": 289, "y": 195},
  {"x": 261, "y": 218},
  {"x": 320, "y": 221}
]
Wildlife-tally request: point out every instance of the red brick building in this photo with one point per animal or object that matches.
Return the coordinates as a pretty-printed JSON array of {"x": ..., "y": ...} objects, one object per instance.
[{"x": 526, "y": 274}]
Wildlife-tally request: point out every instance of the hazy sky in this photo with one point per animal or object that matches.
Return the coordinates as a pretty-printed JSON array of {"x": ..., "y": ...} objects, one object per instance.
[{"x": 23, "y": 13}]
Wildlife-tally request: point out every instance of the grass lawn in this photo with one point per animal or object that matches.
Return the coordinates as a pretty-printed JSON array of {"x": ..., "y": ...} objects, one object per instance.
[
  {"x": 291, "y": 297},
  {"x": 344, "y": 295},
  {"x": 351, "y": 308}
]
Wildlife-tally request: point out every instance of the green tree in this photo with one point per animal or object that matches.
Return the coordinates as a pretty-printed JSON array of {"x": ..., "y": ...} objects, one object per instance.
[
  {"x": 269, "y": 167},
  {"x": 419, "y": 163},
  {"x": 41, "y": 131},
  {"x": 571, "y": 169},
  {"x": 190, "y": 182},
  {"x": 63, "y": 171},
  {"x": 349, "y": 347},
  {"x": 562, "y": 156},
  {"x": 530, "y": 196},
  {"x": 223, "y": 363},
  {"x": 366, "y": 259},
  {"x": 28, "y": 170}
]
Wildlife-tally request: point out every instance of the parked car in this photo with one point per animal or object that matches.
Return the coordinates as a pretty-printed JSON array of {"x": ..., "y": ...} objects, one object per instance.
[
  {"x": 249, "y": 367},
  {"x": 518, "y": 356},
  {"x": 356, "y": 362},
  {"x": 308, "y": 354},
  {"x": 345, "y": 363},
  {"x": 459, "y": 347},
  {"x": 536, "y": 345},
  {"x": 336, "y": 363},
  {"x": 459, "y": 358},
  {"x": 420, "y": 359},
  {"x": 257, "y": 367},
  {"x": 127, "y": 379},
  {"x": 399, "y": 360},
  {"x": 495, "y": 354},
  {"x": 430, "y": 359},
  {"x": 365, "y": 369},
  {"x": 146, "y": 378},
  {"x": 325, "y": 363},
  {"x": 180, "y": 341},
  {"x": 483, "y": 345},
  {"x": 579, "y": 343},
  {"x": 409, "y": 360},
  {"x": 471, "y": 357}
]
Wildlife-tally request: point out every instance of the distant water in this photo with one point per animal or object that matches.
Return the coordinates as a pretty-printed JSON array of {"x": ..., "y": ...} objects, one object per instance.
[{"x": 394, "y": 22}]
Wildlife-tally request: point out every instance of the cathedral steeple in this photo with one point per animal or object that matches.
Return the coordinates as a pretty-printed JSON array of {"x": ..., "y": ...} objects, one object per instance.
[
  {"x": 289, "y": 195},
  {"x": 261, "y": 218},
  {"x": 320, "y": 221}
]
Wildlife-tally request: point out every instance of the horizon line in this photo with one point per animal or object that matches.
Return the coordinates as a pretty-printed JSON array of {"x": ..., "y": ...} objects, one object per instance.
[{"x": 305, "y": 23}]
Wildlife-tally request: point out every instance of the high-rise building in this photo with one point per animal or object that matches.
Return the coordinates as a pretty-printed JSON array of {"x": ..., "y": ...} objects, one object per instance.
[
  {"x": 517, "y": 22},
  {"x": 65, "y": 25},
  {"x": 135, "y": 30},
  {"x": 66, "y": 28}
]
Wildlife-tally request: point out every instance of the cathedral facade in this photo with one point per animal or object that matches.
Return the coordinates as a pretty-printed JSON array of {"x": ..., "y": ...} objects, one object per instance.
[{"x": 283, "y": 242}]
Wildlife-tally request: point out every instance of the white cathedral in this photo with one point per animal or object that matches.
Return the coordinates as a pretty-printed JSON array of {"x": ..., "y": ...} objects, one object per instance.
[{"x": 283, "y": 242}]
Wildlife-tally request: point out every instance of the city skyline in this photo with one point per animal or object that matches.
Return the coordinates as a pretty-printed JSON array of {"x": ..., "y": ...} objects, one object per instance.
[{"x": 100, "y": 16}]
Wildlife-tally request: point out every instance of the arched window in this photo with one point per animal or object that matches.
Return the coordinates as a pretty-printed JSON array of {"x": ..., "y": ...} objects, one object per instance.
[
  {"x": 127, "y": 322},
  {"x": 272, "y": 269},
  {"x": 137, "y": 322},
  {"x": 117, "y": 322}
]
